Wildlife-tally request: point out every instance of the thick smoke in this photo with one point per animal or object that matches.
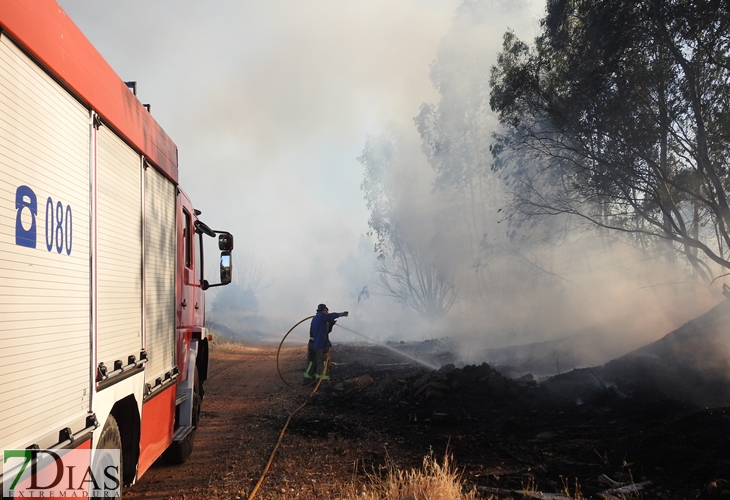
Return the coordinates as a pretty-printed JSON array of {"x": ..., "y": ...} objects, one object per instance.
[
  {"x": 271, "y": 104},
  {"x": 580, "y": 297},
  {"x": 590, "y": 295}
]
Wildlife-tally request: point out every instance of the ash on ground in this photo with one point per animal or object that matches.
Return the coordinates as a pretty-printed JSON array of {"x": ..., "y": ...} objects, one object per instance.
[{"x": 632, "y": 427}]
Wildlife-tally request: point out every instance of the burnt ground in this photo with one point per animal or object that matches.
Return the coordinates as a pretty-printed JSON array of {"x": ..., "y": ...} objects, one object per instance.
[
  {"x": 512, "y": 435},
  {"x": 655, "y": 422}
]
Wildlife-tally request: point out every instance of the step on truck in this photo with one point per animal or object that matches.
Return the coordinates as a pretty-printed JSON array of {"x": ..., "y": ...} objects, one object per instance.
[{"x": 102, "y": 307}]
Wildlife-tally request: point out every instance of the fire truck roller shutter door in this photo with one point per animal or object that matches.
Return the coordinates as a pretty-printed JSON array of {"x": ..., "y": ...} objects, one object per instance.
[
  {"x": 119, "y": 250},
  {"x": 160, "y": 205},
  {"x": 44, "y": 243}
]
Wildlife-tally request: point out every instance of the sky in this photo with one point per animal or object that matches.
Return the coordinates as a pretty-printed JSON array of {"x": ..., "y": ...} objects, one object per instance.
[{"x": 270, "y": 104}]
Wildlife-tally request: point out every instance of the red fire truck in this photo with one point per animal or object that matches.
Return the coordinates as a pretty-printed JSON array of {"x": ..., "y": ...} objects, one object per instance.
[{"x": 102, "y": 338}]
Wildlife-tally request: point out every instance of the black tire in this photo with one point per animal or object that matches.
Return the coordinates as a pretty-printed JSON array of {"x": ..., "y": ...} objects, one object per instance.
[
  {"x": 111, "y": 439},
  {"x": 179, "y": 451}
]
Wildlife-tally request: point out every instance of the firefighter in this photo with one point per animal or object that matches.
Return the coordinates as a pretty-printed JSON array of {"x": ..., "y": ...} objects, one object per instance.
[{"x": 319, "y": 344}]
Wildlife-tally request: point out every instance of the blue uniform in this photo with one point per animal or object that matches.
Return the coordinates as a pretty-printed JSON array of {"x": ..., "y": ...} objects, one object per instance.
[
  {"x": 319, "y": 330},
  {"x": 319, "y": 345}
]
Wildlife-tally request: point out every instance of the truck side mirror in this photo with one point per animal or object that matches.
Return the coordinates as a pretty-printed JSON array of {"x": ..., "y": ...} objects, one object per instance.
[
  {"x": 225, "y": 242},
  {"x": 226, "y": 266}
]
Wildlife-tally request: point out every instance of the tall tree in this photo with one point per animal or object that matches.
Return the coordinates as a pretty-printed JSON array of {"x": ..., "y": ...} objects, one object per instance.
[
  {"x": 408, "y": 268},
  {"x": 456, "y": 131},
  {"x": 620, "y": 116},
  {"x": 456, "y": 134}
]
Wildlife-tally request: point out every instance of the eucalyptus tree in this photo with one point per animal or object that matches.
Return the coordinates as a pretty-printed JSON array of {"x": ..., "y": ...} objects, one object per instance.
[
  {"x": 619, "y": 116},
  {"x": 456, "y": 136},
  {"x": 408, "y": 266}
]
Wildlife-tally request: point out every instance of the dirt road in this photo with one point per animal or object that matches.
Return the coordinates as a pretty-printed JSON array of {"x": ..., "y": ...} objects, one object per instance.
[{"x": 233, "y": 442}]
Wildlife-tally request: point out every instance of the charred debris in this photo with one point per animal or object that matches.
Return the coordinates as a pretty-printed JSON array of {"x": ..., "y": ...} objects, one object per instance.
[{"x": 652, "y": 423}]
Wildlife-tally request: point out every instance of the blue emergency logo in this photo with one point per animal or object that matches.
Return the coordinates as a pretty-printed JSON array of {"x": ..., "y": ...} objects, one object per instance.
[{"x": 58, "y": 222}]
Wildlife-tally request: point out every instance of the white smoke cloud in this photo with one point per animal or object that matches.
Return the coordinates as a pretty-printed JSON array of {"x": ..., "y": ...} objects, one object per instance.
[{"x": 270, "y": 104}]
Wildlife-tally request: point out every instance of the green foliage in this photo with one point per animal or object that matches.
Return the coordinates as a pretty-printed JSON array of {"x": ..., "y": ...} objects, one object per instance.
[{"x": 619, "y": 116}]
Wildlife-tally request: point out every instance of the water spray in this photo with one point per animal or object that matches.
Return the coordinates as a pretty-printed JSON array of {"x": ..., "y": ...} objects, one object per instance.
[{"x": 412, "y": 358}]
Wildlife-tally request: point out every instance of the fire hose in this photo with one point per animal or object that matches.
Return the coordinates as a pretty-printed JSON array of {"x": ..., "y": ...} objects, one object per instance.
[
  {"x": 282, "y": 343},
  {"x": 286, "y": 425}
]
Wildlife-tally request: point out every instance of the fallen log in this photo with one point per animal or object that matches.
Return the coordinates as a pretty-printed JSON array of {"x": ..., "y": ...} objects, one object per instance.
[
  {"x": 610, "y": 494},
  {"x": 523, "y": 493},
  {"x": 603, "y": 478}
]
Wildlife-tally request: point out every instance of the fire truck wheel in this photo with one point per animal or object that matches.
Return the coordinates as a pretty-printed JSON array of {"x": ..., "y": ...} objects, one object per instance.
[
  {"x": 179, "y": 451},
  {"x": 111, "y": 439}
]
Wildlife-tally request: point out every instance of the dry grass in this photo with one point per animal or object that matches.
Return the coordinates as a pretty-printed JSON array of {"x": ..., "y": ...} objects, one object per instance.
[{"x": 434, "y": 481}]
